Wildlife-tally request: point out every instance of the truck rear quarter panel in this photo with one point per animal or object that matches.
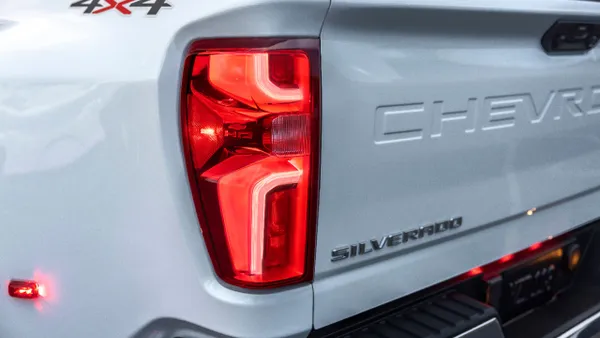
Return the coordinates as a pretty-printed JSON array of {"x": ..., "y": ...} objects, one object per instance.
[{"x": 94, "y": 196}]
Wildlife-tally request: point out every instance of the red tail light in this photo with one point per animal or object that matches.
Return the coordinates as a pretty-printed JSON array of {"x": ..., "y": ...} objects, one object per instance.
[{"x": 250, "y": 128}]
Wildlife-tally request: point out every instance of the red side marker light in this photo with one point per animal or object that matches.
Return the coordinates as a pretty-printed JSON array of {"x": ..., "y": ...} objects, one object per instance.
[{"x": 23, "y": 289}]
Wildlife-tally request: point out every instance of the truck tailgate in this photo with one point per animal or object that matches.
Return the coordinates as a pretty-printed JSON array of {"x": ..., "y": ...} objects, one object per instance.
[{"x": 447, "y": 112}]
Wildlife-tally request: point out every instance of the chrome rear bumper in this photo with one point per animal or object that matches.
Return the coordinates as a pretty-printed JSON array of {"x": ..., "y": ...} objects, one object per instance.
[{"x": 588, "y": 328}]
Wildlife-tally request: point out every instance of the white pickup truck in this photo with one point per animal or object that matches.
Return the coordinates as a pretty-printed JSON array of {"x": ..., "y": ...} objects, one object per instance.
[{"x": 299, "y": 168}]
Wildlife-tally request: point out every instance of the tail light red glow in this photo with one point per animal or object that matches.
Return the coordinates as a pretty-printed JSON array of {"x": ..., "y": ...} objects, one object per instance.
[
  {"x": 514, "y": 258},
  {"x": 535, "y": 246},
  {"x": 24, "y": 289},
  {"x": 507, "y": 258},
  {"x": 250, "y": 128},
  {"x": 475, "y": 271}
]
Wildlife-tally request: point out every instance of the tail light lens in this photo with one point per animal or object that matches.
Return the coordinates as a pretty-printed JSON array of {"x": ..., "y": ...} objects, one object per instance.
[{"x": 250, "y": 128}]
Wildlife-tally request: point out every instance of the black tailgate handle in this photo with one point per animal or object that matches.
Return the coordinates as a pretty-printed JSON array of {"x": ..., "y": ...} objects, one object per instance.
[{"x": 571, "y": 37}]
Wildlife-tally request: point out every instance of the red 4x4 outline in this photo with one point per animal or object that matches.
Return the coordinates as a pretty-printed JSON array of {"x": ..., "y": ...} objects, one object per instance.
[
  {"x": 116, "y": 5},
  {"x": 91, "y": 6}
]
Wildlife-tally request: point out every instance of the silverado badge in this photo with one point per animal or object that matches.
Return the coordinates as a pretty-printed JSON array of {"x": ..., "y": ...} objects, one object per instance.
[{"x": 363, "y": 248}]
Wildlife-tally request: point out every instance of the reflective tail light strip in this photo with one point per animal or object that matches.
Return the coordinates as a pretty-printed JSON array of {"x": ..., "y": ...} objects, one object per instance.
[{"x": 250, "y": 125}]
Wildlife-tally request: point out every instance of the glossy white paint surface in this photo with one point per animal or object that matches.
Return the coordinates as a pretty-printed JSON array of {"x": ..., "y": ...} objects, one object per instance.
[
  {"x": 95, "y": 203},
  {"x": 391, "y": 66},
  {"x": 94, "y": 199}
]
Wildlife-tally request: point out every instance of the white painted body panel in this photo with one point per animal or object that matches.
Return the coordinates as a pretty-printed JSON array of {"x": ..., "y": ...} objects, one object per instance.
[
  {"x": 94, "y": 195},
  {"x": 449, "y": 109},
  {"x": 95, "y": 202}
]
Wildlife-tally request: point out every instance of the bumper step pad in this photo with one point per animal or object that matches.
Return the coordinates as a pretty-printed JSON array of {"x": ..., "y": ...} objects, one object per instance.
[{"x": 448, "y": 315}]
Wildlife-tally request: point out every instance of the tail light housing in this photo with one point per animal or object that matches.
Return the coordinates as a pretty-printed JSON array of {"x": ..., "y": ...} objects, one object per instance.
[{"x": 250, "y": 127}]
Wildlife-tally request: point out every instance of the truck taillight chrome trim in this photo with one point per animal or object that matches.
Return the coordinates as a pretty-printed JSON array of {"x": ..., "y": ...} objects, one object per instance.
[{"x": 250, "y": 127}]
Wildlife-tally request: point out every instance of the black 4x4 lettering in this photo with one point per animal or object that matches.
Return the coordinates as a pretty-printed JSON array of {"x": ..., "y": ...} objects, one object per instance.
[
  {"x": 89, "y": 5},
  {"x": 155, "y": 5},
  {"x": 101, "y": 6}
]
